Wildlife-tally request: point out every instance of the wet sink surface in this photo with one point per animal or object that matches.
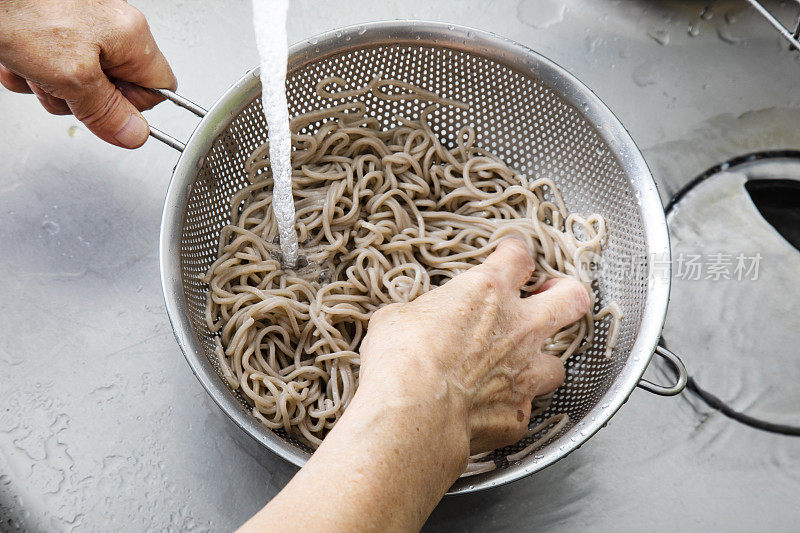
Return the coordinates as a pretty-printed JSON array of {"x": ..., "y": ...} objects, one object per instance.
[{"x": 102, "y": 424}]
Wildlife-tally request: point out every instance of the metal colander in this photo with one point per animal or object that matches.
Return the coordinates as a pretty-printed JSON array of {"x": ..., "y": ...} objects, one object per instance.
[{"x": 527, "y": 110}]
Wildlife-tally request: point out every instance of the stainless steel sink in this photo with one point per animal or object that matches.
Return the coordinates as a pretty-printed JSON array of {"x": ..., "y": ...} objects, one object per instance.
[{"x": 102, "y": 424}]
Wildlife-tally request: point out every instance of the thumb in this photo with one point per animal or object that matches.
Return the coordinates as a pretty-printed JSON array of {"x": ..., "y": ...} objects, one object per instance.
[{"x": 108, "y": 114}]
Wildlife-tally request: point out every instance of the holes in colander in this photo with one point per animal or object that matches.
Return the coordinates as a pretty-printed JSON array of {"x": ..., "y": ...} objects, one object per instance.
[{"x": 516, "y": 116}]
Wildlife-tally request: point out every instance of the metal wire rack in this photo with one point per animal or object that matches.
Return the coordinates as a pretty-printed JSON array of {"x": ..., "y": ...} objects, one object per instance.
[{"x": 790, "y": 35}]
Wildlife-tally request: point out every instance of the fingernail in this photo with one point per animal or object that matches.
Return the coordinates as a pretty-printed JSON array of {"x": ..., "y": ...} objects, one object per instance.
[{"x": 134, "y": 133}]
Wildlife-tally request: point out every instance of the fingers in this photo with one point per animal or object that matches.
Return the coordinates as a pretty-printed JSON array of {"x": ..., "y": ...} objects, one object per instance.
[
  {"x": 12, "y": 82},
  {"x": 130, "y": 53},
  {"x": 107, "y": 113},
  {"x": 546, "y": 285},
  {"x": 544, "y": 375},
  {"x": 497, "y": 425},
  {"x": 141, "y": 98},
  {"x": 384, "y": 313},
  {"x": 53, "y": 105},
  {"x": 562, "y": 303},
  {"x": 503, "y": 416},
  {"x": 81, "y": 84},
  {"x": 512, "y": 262}
]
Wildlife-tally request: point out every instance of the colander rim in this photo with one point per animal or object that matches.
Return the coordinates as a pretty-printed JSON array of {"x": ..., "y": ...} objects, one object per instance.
[{"x": 474, "y": 41}]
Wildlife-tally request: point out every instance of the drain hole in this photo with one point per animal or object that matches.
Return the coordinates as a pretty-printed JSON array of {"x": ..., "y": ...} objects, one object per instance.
[{"x": 778, "y": 201}]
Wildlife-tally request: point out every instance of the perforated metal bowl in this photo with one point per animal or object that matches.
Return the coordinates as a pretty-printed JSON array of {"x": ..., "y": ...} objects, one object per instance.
[{"x": 529, "y": 111}]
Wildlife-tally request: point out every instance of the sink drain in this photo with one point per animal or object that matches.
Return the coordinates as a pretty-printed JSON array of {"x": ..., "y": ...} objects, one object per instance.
[{"x": 737, "y": 327}]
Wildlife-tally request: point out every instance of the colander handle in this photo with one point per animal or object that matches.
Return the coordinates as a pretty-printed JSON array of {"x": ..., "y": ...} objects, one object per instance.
[
  {"x": 180, "y": 101},
  {"x": 680, "y": 370}
]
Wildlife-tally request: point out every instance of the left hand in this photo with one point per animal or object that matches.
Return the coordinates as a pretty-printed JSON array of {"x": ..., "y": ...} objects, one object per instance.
[{"x": 85, "y": 58}]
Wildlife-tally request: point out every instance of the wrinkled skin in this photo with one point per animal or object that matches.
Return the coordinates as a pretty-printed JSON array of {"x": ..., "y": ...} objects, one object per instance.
[
  {"x": 83, "y": 57},
  {"x": 478, "y": 337},
  {"x": 450, "y": 374}
]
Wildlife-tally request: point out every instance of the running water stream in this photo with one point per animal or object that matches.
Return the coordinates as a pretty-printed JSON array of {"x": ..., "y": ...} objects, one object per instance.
[{"x": 269, "y": 20}]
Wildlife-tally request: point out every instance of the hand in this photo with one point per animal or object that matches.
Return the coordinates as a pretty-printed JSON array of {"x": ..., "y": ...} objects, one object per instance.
[
  {"x": 83, "y": 57},
  {"x": 476, "y": 340},
  {"x": 449, "y": 374}
]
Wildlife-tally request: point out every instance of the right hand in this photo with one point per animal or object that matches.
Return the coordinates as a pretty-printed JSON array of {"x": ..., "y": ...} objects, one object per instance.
[
  {"x": 85, "y": 58},
  {"x": 447, "y": 375},
  {"x": 473, "y": 347}
]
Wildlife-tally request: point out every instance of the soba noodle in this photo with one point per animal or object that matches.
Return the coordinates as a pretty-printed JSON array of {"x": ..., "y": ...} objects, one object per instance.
[{"x": 383, "y": 215}]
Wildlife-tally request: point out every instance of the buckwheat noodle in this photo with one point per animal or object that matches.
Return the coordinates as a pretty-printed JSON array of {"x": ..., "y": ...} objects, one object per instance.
[{"x": 383, "y": 216}]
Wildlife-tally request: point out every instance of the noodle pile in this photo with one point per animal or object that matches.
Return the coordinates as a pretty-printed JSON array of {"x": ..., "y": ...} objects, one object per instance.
[{"x": 382, "y": 216}]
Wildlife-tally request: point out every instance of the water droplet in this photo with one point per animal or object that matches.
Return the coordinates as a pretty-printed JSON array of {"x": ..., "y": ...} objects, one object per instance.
[
  {"x": 706, "y": 13},
  {"x": 694, "y": 28},
  {"x": 728, "y": 36},
  {"x": 645, "y": 74},
  {"x": 592, "y": 43},
  {"x": 50, "y": 227},
  {"x": 605, "y": 406},
  {"x": 540, "y": 14},
  {"x": 347, "y": 37},
  {"x": 451, "y": 27},
  {"x": 313, "y": 41},
  {"x": 338, "y": 34},
  {"x": 362, "y": 30},
  {"x": 660, "y": 36}
]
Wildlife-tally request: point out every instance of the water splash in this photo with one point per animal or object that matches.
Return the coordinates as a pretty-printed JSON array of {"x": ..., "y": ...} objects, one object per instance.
[
  {"x": 592, "y": 42},
  {"x": 540, "y": 14},
  {"x": 645, "y": 74},
  {"x": 269, "y": 19},
  {"x": 660, "y": 36},
  {"x": 728, "y": 36},
  {"x": 50, "y": 227},
  {"x": 732, "y": 16}
]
